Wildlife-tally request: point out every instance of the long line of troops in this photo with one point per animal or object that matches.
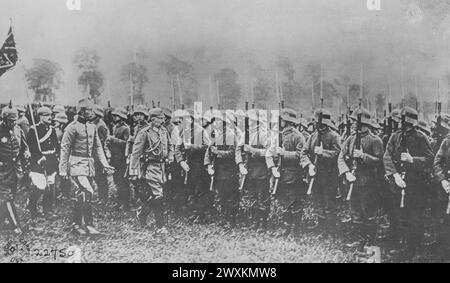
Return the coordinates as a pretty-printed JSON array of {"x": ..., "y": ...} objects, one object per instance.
[{"x": 400, "y": 167}]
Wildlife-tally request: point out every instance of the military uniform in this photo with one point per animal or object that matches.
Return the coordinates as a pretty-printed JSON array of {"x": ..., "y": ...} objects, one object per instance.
[
  {"x": 291, "y": 189},
  {"x": 24, "y": 124},
  {"x": 117, "y": 145},
  {"x": 257, "y": 178},
  {"x": 362, "y": 205},
  {"x": 441, "y": 168},
  {"x": 152, "y": 149},
  {"x": 80, "y": 145},
  {"x": 197, "y": 185},
  {"x": 415, "y": 178},
  {"x": 101, "y": 179},
  {"x": 223, "y": 160},
  {"x": 13, "y": 153},
  {"x": 44, "y": 165},
  {"x": 324, "y": 194}
]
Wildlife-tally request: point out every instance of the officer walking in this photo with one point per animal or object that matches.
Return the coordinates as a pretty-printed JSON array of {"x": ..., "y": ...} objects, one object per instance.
[
  {"x": 44, "y": 148},
  {"x": 13, "y": 154},
  {"x": 153, "y": 145},
  {"x": 80, "y": 145}
]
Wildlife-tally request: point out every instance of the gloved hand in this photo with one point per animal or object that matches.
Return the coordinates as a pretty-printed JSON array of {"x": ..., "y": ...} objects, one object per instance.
[
  {"x": 64, "y": 176},
  {"x": 184, "y": 165},
  {"x": 275, "y": 172},
  {"x": 213, "y": 150},
  {"x": 312, "y": 170},
  {"x": 109, "y": 170},
  {"x": 446, "y": 186},
  {"x": 399, "y": 181},
  {"x": 280, "y": 150},
  {"x": 242, "y": 169},
  {"x": 132, "y": 177},
  {"x": 318, "y": 150},
  {"x": 350, "y": 177},
  {"x": 41, "y": 160},
  {"x": 406, "y": 157},
  {"x": 247, "y": 148},
  {"x": 210, "y": 169},
  {"x": 358, "y": 153}
]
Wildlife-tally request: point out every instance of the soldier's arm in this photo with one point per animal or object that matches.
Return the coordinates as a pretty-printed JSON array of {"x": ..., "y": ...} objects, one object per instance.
[
  {"x": 304, "y": 156},
  {"x": 32, "y": 143},
  {"x": 342, "y": 164},
  {"x": 66, "y": 145},
  {"x": 335, "y": 147},
  {"x": 271, "y": 151},
  {"x": 170, "y": 149},
  {"x": 103, "y": 133},
  {"x": 377, "y": 151},
  {"x": 424, "y": 162},
  {"x": 388, "y": 162},
  {"x": 24, "y": 149},
  {"x": 98, "y": 150},
  {"x": 440, "y": 161},
  {"x": 299, "y": 142},
  {"x": 138, "y": 151}
]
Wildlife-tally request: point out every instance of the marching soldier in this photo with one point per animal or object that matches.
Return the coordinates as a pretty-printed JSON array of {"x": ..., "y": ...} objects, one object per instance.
[
  {"x": 117, "y": 146},
  {"x": 257, "y": 177},
  {"x": 80, "y": 145},
  {"x": 220, "y": 159},
  {"x": 366, "y": 160},
  {"x": 13, "y": 154},
  {"x": 60, "y": 122},
  {"x": 325, "y": 170},
  {"x": 291, "y": 189},
  {"x": 23, "y": 122},
  {"x": 44, "y": 148},
  {"x": 190, "y": 157},
  {"x": 152, "y": 145},
  {"x": 441, "y": 168},
  {"x": 101, "y": 178},
  {"x": 407, "y": 160},
  {"x": 140, "y": 116}
]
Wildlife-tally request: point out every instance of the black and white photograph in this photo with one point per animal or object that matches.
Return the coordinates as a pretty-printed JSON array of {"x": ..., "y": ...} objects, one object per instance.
[{"x": 256, "y": 133}]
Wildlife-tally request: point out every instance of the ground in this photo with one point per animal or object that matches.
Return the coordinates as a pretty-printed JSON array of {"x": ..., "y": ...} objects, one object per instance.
[{"x": 122, "y": 240}]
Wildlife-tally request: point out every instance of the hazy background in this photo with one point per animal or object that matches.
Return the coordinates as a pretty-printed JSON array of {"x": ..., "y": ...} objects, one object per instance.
[{"x": 213, "y": 34}]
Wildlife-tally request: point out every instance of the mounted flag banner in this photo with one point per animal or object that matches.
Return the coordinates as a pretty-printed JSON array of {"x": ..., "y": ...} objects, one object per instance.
[{"x": 8, "y": 53}]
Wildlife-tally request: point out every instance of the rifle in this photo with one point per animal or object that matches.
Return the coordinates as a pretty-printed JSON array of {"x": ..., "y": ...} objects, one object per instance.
[
  {"x": 319, "y": 141},
  {"x": 389, "y": 125},
  {"x": 280, "y": 144},
  {"x": 246, "y": 142},
  {"x": 403, "y": 148},
  {"x": 110, "y": 119},
  {"x": 186, "y": 174},
  {"x": 357, "y": 145}
]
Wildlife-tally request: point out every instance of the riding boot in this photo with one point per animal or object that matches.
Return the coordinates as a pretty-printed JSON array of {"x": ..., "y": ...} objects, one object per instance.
[{"x": 32, "y": 202}]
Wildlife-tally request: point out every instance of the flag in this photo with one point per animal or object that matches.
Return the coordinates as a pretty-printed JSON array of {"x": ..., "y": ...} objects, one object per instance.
[{"x": 8, "y": 53}]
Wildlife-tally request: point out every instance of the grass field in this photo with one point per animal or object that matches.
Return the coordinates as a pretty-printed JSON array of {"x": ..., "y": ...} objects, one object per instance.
[{"x": 122, "y": 240}]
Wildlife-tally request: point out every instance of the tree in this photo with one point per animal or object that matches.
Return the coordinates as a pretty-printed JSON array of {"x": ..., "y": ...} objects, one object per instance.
[
  {"x": 137, "y": 75},
  {"x": 90, "y": 77},
  {"x": 182, "y": 79},
  {"x": 44, "y": 77},
  {"x": 229, "y": 89}
]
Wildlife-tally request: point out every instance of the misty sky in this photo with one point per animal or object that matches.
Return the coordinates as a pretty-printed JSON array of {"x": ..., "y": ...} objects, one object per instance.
[{"x": 214, "y": 34}]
